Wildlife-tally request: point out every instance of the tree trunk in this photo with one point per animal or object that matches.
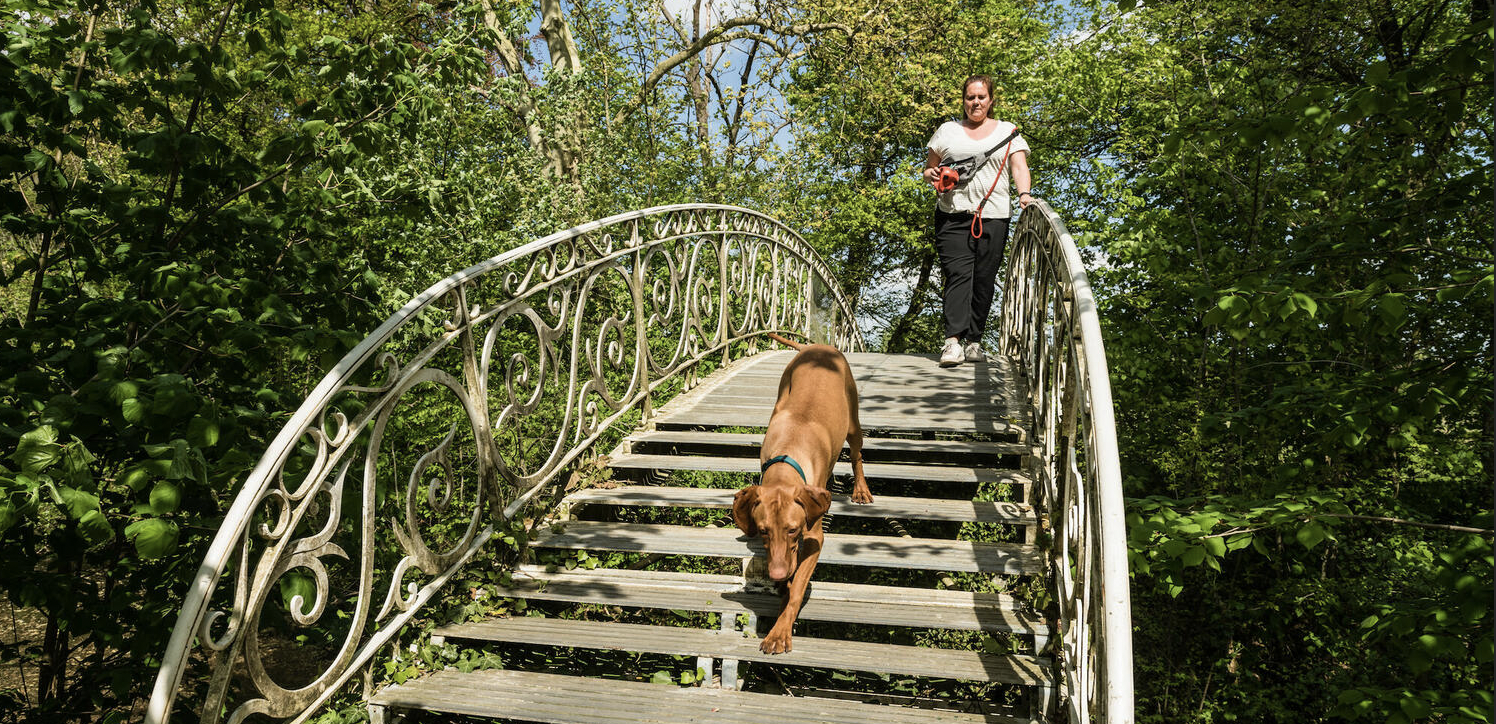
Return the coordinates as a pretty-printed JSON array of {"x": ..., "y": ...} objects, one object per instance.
[
  {"x": 561, "y": 160},
  {"x": 564, "y": 151},
  {"x": 898, "y": 334}
]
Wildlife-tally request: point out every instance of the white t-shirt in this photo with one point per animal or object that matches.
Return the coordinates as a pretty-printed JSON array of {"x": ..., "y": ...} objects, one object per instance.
[{"x": 950, "y": 142}]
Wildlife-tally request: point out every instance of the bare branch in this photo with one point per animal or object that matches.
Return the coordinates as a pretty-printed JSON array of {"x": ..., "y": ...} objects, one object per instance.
[
  {"x": 675, "y": 25},
  {"x": 727, "y": 32},
  {"x": 1414, "y": 523}
]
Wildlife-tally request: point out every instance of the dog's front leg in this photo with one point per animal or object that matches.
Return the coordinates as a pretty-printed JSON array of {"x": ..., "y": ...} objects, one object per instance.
[
  {"x": 778, "y": 640},
  {"x": 860, "y": 491}
]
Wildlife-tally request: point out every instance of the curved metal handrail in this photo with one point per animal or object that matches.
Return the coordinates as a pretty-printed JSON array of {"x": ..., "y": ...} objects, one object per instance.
[
  {"x": 574, "y": 331},
  {"x": 1050, "y": 328}
]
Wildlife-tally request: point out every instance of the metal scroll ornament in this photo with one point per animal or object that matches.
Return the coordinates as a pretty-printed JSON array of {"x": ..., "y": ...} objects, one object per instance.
[
  {"x": 1051, "y": 330},
  {"x": 419, "y": 444}
]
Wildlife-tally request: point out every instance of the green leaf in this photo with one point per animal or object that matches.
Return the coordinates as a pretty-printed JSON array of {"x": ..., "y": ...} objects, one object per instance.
[
  {"x": 166, "y": 497},
  {"x": 1194, "y": 556},
  {"x": 1234, "y": 305},
  {"x": 132, "y": 409},
  {"x": 1393, "y": 310},
  {"x": 153, "y": 537},
  {"x": 1175, "y": 548},
  {"x": 1306, "y": 303},
  {"x": 1415, "y": 707},
  {"x": 137, "y": 476},
  {"x": 9, "y": 515},
  {"x": 37, "y": 450},
  {"x": 202, "y": 432},
  {"x": 76, "y": 460},
  {"x": 95, "y": 528},
  {"x": 78, "y": 502},
  {"x": 179, "y": 455},
  {"x": 1310, "y": 534},
  {"x": 662, "y": 677},
  {"x": 298, "y": 583}
]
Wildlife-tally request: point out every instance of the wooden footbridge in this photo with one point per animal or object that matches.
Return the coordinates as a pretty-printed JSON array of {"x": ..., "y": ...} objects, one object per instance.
[{"x": 521, "y": 482}]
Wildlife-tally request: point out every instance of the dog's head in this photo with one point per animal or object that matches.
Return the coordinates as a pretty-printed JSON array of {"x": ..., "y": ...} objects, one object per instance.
[{"x": 780, "y": 515}]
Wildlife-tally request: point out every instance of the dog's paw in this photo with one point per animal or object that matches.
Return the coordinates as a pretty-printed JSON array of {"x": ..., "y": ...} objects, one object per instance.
[
  {"x": 862, "y": 496},
  {"x": 775, "y": 643}
]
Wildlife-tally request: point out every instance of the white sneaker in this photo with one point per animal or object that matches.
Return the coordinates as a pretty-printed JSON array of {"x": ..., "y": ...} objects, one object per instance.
[
  {"x": 973, "y": 352},
  {"x": 951, "y": 354}
]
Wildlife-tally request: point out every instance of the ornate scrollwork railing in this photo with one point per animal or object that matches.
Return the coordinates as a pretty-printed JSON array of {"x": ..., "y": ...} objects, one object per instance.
[
  {"x": 420, "y": 443},
  {"x": 1050, "y": 328}
]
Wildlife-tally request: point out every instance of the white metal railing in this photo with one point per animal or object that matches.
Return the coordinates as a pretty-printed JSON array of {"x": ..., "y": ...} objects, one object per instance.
[
  {"x": 422, "y": 442},
  {"x": 1050, "y": 329}
]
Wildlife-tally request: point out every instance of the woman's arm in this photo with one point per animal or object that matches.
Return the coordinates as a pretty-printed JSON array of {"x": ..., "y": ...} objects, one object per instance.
[
  {"x": 1021, "y": 181},
  {"x": 932, "y": 161}
]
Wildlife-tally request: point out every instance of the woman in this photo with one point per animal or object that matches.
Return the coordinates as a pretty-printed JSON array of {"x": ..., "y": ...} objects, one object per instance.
[{"x": 971, "y": 220}]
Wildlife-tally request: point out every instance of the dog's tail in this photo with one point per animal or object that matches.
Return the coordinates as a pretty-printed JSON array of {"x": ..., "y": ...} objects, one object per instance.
[{"x": 792, "y": 345}]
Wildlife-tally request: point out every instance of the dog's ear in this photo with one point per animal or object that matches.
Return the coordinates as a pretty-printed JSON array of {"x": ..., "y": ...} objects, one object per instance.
[
  {"x": 815, "y": 501},
  {"x": 742, "y": 509}
]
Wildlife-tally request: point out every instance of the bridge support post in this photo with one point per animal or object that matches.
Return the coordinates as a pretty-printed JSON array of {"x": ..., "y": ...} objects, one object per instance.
[
  {"x": 380, "y": 714},
  {"x": 1044, "y": 706}
]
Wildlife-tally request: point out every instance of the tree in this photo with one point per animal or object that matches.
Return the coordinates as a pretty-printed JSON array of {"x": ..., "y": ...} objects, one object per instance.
[
  {"x": 868, "y": 102},
  {"x": 1296, "y": 295},
  {"x": 177, "y": 189}
]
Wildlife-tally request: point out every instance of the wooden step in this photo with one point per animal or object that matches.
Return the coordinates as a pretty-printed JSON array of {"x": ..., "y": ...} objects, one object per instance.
[
  {"x": 883, "y": 506},
  {"x": 713, "y": 416},
  {"x": 822, "y": 653},
  {"x": 896, "y": 394},
  {"x": 557, "y": 699},
  {"x": 827, "y": 601},
  {"x": 996, "y": 402},
  {"x": 874, "y": 449},
  {"x": 873, "y": 471},
  {"x": 840, "y": 549}
]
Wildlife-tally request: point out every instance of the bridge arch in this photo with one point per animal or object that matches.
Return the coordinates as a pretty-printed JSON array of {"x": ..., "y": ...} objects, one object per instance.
[{"x": 535, "y": 354}]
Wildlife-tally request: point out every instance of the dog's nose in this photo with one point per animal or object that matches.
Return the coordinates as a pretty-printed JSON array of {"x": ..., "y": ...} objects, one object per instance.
[{"x": 778, "y": 573}]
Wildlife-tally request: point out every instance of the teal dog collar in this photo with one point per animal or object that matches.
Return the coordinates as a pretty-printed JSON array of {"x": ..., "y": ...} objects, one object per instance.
[{"x": 785, "y": 459}]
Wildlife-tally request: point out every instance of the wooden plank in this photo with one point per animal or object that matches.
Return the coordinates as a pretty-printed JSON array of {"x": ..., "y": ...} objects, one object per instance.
[
  {"x": 884, "y": 471},
  {"x": 898, "y": 393},
  {"x": 752, "y": 441},
  {"x": 883, "y": 506},
  {"x": 558, "y": 699},
  {"x": 827, "y": 601},
  {"x": 811, "y": 652},
  {"x": 943, "y": 412},
  {"x": 738, "y": 417},
  {"x": 991, "y": 404},
  {"x": 840, "y": 549}
]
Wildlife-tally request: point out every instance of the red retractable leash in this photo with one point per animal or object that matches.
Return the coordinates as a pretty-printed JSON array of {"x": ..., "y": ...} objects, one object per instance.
[
  {"x": 976, "y": 218},
  {"x": 948, "y": 176}
]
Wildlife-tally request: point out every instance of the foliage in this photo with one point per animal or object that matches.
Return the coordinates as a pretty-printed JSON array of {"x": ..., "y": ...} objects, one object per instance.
[
  {"x": 867, "y": 108},
  {"x": 180, "y": 185},
  {"x": 1297, "y": 301},
  {"x": 205, "y": 206}
]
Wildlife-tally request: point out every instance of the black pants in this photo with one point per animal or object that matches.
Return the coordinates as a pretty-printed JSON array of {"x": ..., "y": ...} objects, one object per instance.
[{"x": 969, "y": 267}]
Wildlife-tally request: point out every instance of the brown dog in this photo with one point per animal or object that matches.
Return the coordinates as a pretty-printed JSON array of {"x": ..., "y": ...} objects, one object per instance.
[{"x": 815, "y": 414}]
